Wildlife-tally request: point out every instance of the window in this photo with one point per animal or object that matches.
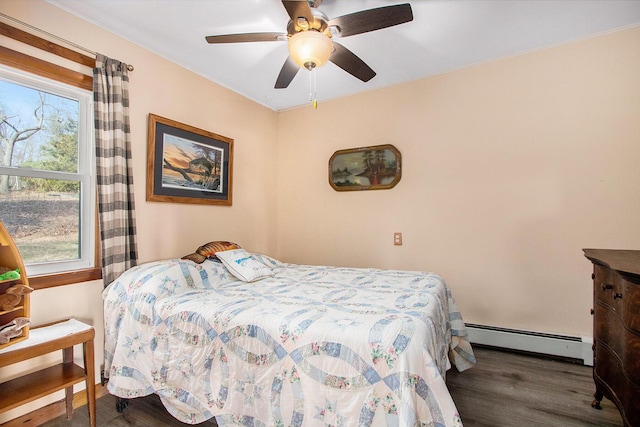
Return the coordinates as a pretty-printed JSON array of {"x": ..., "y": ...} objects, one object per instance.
[{"x": 47, "y": 196}]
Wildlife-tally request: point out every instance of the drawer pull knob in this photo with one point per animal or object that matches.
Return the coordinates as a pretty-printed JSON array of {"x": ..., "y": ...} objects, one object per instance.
[
  {"x": 606, "y": 286},
  {"x": 617, "y": 295}
]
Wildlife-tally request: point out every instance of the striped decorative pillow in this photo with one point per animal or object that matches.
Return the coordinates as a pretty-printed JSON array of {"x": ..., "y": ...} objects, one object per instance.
[{"x": 209, "y": 250}]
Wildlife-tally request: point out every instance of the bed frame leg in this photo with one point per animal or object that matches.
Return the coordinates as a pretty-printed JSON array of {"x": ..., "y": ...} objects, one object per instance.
[
  {"x": 121, "y": 404},
  {"x": 103, "y": 379}
]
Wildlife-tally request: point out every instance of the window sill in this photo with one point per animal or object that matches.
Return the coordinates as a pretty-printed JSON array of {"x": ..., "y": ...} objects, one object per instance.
[{"x": 60, "y": 279}]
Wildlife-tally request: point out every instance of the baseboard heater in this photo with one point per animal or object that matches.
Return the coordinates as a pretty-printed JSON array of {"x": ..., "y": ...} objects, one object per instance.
[{"x": 571, "y": 347}]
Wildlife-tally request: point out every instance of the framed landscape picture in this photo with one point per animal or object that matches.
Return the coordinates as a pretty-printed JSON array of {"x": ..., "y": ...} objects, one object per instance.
[
  {"x": 187, "y": 165},
  {"x": 367, "y": 168}
]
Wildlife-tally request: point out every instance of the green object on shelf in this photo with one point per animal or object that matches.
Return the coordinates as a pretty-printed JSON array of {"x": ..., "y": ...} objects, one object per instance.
[{"x": 10, "y": 275}]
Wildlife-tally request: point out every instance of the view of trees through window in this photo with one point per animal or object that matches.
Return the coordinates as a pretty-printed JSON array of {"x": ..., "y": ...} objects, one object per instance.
[{"x": 39, "y": 181}]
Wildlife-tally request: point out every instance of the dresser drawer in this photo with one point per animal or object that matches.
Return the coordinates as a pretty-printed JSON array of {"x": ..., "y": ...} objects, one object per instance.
[
  {"x": 609, "y": 329},
  {"x": 629, "y": 297},
  {"x": 604, "y": 288},
  {"x": 617, "y": 387}
]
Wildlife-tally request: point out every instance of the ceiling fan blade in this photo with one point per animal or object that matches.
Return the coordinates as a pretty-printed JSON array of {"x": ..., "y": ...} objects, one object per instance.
[
  {"x": 372, "y": 19},
  {"x": 351, "y": 63},
  {"x": 247, "y": 37},
  {"x": 298, "y": 9},
  {"x": 287, "y": 73}
]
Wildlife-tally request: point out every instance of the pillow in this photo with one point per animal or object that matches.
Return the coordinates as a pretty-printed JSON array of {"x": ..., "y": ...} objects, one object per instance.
[
  {"x": 242, "y": 265},
  {"x": 209, "y": 250}
]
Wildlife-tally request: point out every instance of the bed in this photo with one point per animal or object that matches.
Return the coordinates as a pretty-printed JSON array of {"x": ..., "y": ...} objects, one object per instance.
[{"x": 301, "y": 345}]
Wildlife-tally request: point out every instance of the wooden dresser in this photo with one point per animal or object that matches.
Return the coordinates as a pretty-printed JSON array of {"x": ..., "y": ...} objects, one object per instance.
[{"x": 616, "y": 330}]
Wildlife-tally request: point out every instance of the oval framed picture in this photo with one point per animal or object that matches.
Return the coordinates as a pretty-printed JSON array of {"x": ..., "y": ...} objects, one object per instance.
[{"x": 366, "y": 168}]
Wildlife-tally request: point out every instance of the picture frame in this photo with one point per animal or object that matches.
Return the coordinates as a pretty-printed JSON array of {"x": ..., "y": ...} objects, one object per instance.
[
  {"x": 187, "y": 165},
  {"x": 377, "y": 167}
]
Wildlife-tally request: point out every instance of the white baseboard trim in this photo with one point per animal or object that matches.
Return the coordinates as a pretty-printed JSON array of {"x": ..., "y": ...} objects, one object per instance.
[{"x": 535, "y": 342}]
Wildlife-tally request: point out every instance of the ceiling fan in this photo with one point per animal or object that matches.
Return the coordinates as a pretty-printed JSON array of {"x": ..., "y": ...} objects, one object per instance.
[{"x": 310, "y": 34}]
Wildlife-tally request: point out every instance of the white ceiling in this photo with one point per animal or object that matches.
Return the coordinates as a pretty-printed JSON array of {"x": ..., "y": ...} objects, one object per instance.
[{"x": 444, "y": 35}]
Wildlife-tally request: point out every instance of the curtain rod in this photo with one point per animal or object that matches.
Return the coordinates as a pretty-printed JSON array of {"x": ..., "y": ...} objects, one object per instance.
[{"x": 89, "y": 51}]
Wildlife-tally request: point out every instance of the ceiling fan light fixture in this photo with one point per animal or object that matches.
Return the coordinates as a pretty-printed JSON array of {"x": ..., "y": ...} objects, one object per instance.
[{"x": 310, "y": 49}]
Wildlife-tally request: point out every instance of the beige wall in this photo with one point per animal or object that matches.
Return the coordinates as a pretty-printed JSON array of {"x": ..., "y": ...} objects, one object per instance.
[
  {"x": 166, "y": 230},
  {"x": 510, "y": 168}
]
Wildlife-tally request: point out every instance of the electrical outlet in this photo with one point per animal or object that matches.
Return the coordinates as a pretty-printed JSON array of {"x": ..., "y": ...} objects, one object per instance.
[{"x": 397, "y": 239}]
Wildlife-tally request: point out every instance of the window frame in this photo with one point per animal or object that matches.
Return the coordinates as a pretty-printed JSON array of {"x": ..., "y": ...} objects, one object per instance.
[
  {"x": 37, "y": 69},
  {"x": 85, "y": 173}
]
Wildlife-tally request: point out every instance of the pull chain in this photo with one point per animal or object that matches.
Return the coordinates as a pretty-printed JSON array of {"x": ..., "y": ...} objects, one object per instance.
[{"x": 313, "y": 88}]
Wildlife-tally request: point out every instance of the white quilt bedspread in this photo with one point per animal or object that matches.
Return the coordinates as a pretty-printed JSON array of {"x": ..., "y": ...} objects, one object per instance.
[{"x": 310, "y": 346}]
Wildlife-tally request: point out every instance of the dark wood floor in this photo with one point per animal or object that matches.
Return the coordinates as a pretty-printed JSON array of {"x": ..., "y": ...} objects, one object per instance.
[
  {"x": 502, "y": 390},
  {"x": 508, "y": 390}
]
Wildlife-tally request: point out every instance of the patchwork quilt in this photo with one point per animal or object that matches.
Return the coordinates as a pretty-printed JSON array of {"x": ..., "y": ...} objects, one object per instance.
[{"x": 306, "y": 346}]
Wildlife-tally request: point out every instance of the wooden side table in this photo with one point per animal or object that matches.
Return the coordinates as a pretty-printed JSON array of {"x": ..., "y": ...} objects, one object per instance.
[{"x": 46, "y": 339}]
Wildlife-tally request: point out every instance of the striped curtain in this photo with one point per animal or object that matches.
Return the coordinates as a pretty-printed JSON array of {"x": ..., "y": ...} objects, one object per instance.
[{"x": 116, "y": 207}]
